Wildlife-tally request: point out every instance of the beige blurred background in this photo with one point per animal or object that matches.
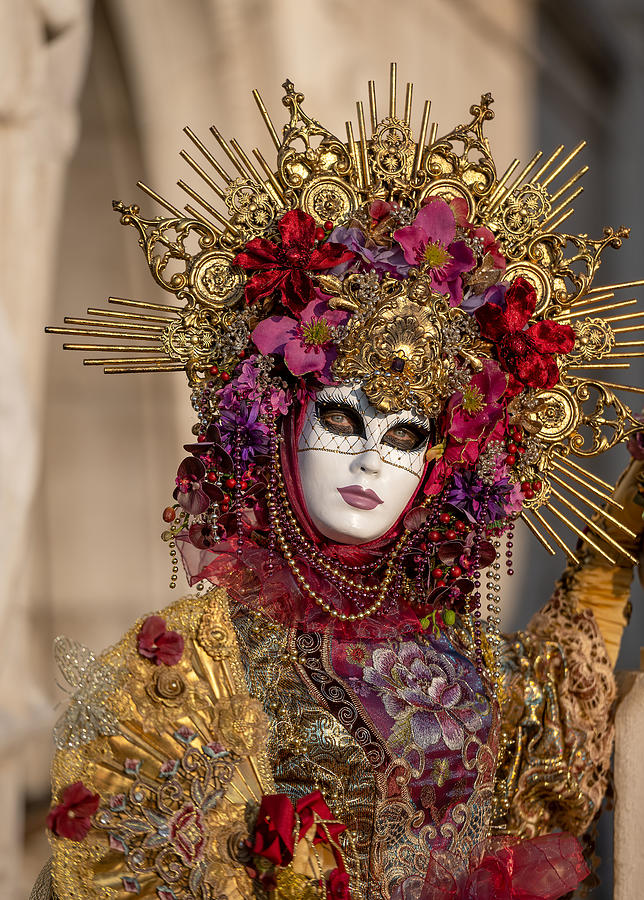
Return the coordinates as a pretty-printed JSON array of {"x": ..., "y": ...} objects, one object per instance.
[{"x": 93, "y": 96}]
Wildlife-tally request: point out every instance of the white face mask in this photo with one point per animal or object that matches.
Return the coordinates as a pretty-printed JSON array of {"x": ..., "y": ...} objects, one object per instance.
[{"x": 359, "y": 468}]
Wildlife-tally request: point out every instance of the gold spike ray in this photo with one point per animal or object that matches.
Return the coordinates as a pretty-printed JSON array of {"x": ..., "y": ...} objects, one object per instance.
[
  {"x": 97, "y": 323},
  {"x": 592, "y": 525},
  {"x": 533, "y": 528},
  {"x": 267, "y": 119},
  {"x": 219, "y": 169},
  {"x": 593, "y": 506},
  {"x": 373, "y": 107},
  {"x": 586, "y": 484},
  {"x": 556, "y": 537},
  {"x": 585, "y": 537},
  {"x": 159, "y": 199}
]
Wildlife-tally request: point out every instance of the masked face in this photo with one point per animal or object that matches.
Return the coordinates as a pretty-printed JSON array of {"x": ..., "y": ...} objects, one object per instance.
[{"x": 359, "y": 468}]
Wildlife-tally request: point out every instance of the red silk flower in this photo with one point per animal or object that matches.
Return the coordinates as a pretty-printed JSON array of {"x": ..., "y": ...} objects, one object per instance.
[
  {"x": 337, "y": 886},
  {"x": 274, "y": 831},
  {"x": 311, "y": 806},
  {"x": 71, "y": 818},
  {"x": 527, "y": 355},
  {"x": 158, "y": 644},
  {"x": 284, "y": 267}
]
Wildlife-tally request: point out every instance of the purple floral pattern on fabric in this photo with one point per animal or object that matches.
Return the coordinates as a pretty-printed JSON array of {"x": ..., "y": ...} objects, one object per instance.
[{"x": 426, "y": 695}]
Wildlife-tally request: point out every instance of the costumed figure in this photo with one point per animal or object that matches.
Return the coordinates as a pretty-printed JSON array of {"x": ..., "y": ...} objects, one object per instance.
[{"x": 393, "y": 356}]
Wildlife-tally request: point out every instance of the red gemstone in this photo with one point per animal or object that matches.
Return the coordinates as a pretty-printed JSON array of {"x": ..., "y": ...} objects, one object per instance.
[
  {"x": 455, "y": 571},
  {"x": 169, "y": 515},
  {"x": 437, "y": 572},
  {"x": 520, "y": 450},
  {"x": 441, "y": 583},
  {"x": 528, "y": 494},
  {"x": 242, "y": 354},
  {"x": 225, "y": 377},
  {"x": 511, "y": 459},
  {"x": 461, "y": 526},
  {"x": 231, "y": 482},
  {"x": 450, "y": 535},
  {"x": 320, "y": 234},
  {"x": 328, "y": 226},
  {"x": 536, "y": 485},
  {"x": 445, "y": 518},
  {"x": 212, "y": 476},
  {"x": 526, "y": 486},
  {"x": 512, "y": 448},
  {"x": 243, "y": 484},
  {"x": 434, "y": 536},
  {"x": 201, "y": 438},
  {"x": 214, "y": 370}
]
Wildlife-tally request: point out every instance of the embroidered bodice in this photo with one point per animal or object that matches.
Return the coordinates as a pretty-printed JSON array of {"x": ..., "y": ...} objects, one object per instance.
[{"x": 396, "y": 733}]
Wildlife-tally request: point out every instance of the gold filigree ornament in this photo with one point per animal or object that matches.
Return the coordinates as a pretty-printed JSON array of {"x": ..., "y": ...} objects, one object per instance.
[
  {"x": 177, "y": 787},
  {"x": 413, "y": 340}
]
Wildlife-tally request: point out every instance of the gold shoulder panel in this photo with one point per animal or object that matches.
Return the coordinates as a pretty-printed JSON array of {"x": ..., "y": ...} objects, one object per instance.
[{"x": 176, "y": 778}]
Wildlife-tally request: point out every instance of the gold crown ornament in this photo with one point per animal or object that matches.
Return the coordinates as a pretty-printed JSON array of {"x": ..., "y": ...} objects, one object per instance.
[{"x": 405, "y": 264}]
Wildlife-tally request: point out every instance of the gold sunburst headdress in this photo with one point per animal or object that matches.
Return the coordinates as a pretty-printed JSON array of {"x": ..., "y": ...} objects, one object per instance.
[{"x": 268, "y": 239}]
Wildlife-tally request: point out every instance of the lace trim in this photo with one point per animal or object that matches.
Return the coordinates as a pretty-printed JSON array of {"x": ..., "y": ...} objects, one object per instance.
[{"x": 557, "y": 733}]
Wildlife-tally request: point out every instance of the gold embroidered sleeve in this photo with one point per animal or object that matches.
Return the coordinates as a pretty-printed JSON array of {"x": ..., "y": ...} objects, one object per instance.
[
  {"x": 178, "y": 765},
  {"x": 559, "y": 688}
]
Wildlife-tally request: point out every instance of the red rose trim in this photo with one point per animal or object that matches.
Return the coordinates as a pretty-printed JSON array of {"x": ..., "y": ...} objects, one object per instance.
[{"x": 71, "y": 818}]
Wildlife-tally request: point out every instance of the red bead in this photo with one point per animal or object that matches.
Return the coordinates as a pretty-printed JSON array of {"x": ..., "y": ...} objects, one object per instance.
[
  {"x": 461, "y": 526},
  {"x": 512, "y": 448},
  {"x": 212, "y": 476},
  {"x": 450, "y": 535},
  {"x": 520, "y": 450},
  {"x": 226, "y": 499},
  {"x": 243, "y": 484},
  {"x": 242, "y": 354},
  {"x": 225, "y": 377},
  {"x": 320, "y": 234},
  {"x": 526, "y": 486},
  {"x": 434, "y": 536},
  {"x": 455, "y": 571},
  {"x": 169, "y": 515},
  {"x": 441, "y": 583},
  {"x": 510, "y": 459},
  {"x": 536, "y": 485},
  {"x": 445, "y": 518},
  {"x": 214, "y": 370},
  {"x": 328, "y": 226},
  {"x": 437, "y": 572},
  {"x": 201, "y": 438},
  {"x": 231, "y": 482},
  {"x": 528, "y": 494}
]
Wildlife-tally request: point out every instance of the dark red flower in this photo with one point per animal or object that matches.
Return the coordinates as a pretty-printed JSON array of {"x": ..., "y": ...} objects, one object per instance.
[
  {"x": 527, "y": 355},
  {"x": 193, "y": 492},
  {"x": 312, "y": 806},
  {"x": 72, "y": 817},
  {"x": 202, "y": 535},
  {"x": 210, "y": 450},
  {"x": 284, "y": 267},
  {"x": 274, "y": 838},
  {"x": 159, "y": 645},
  {"x": 337, "y": 885}
]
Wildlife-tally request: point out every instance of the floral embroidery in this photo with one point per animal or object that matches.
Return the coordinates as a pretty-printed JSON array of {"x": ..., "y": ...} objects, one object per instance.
[{"x": 426, "y": 695}]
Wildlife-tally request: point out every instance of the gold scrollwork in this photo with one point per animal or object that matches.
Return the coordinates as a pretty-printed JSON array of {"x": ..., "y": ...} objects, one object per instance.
[
  {"x": 252, "y": 209},
  {"x": 593, "y": 339},
  {"x": 215, "y": 281},
  {"x": 328, "y": 199},
  {"x": 392, "y": 151},
  {"x": 558, "y": 414}
]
